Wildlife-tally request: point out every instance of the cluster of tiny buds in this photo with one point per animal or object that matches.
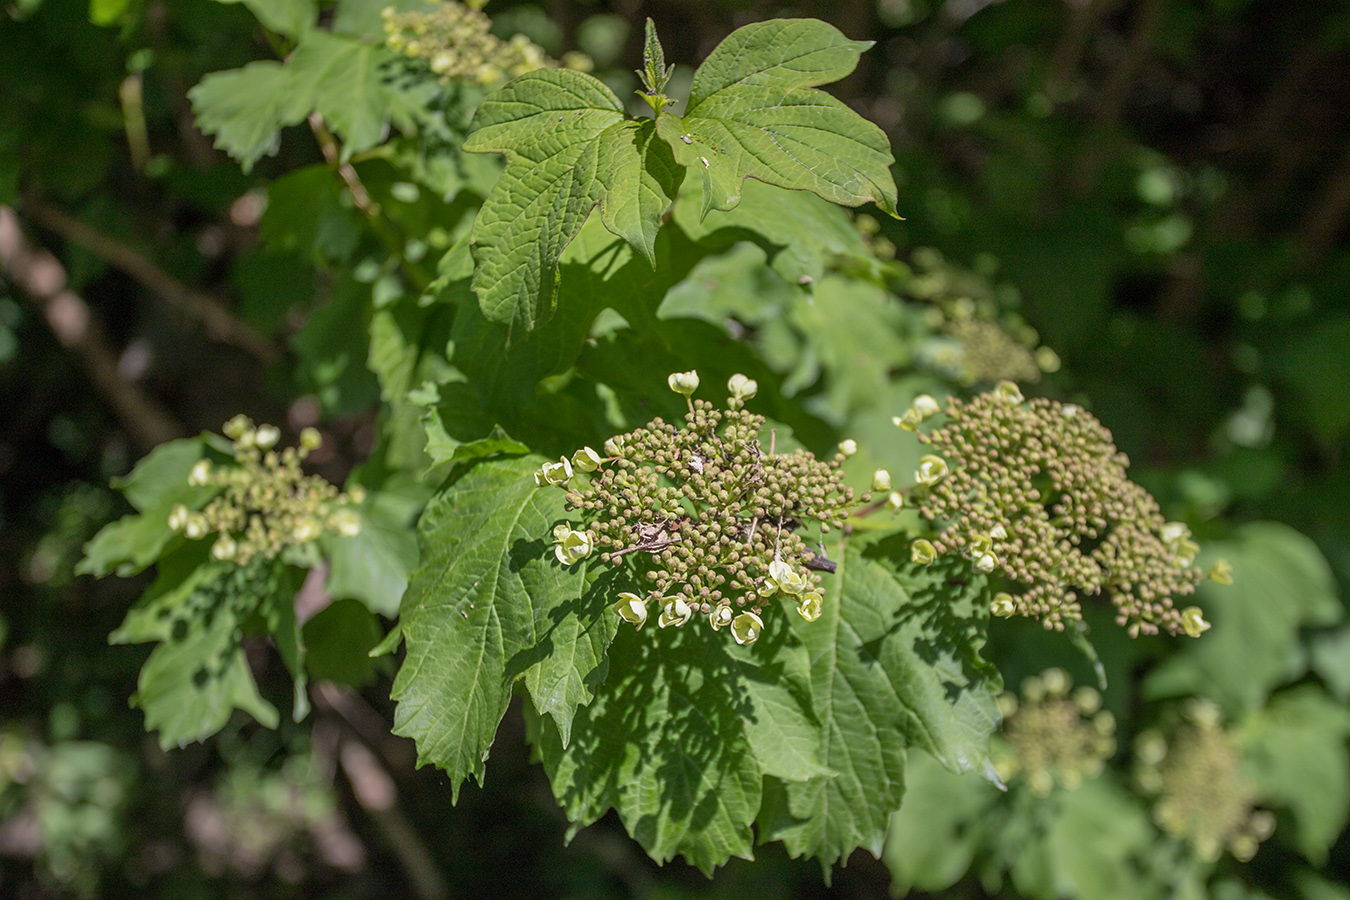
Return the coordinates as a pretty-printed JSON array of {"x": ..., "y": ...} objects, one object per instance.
[
  {"x": 1203, "y": 797},
  {"x": 1054, "y": 735},
  {"x": 718, "y": 526},
  {"x": 265, "y": 502},
  {"x": 1036, "y": 494},
  {"x": 454, "y": 41}
]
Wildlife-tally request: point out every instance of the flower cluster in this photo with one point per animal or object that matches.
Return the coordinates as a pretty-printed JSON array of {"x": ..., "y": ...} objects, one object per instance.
[
  {"x": 715, "y": 524},
  {"x": 1054, "y": 736},
  {"x": 1202, "y": 796},
  {"x": 1036, "y": 492},
  {"x": 266, "y": 502},
  {"x": 454, "y": 41}
]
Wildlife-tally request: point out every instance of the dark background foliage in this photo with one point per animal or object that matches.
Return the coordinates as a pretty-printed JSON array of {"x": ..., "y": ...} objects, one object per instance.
[{"x": 1166, "y": 183}]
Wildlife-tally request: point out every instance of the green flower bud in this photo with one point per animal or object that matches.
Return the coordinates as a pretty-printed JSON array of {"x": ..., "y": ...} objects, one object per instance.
[
  {"x": 741, "y": 388},
  {"x": 1047, "y": 360},
  {"x": 310, "y": 439},
  {"x": 1193, "y": 621},
  {"x": 809, "y": 606},
  {"x": 1221, "y": 572},
  {"x": 932, "y": 469},
  {"x": 848, "y": 447},
  {"x": 922, "y": 552},
  {"x": 357, "y": 494},
  {"x": 585, "y": 460},
  {"x": 676, "y": 612},
  {"x": 632, "y": 609},
  {"x": 746, "y": 628},
  {"x": 683, "y": 382},
  {"x": 881, "y": 480},
  {"x": 1003, "y": 605},
  {"x": 910, "y": 421},
  {"x": 235, "y": 428}
]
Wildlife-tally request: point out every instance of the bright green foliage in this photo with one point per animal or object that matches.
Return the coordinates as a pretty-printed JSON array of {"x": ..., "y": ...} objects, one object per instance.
[
  {"x": 569, "y": 146},
  {"x": 291, "y": 18},
  {"x": 752, "y": 113},
  {"x": 486, "y": 606}
]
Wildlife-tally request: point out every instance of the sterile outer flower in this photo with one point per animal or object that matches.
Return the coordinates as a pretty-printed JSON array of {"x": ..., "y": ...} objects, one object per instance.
[
  {"x": 980, "y": 544},
  {"x": 178, "y": 517},
  {"x": 848, "y": 447},
  {"x": 1008, "y": 392},
  {"x": 986, "y": 562},
  {"x": 808, "y": 607},
  {"x": 585, "y": 460},
  {"x": 574, "y": 547},
  {"x": 910, "y": 421},
  {"x": 720, "y": 617},
  {"x": 741, "y": 388},
  {"x": 306, "y": 530},
  {"x": 267, "y": 436},
  {"x": 676, "y": 612},
  {"x": 1003, "y": 605},
  {"x": 926, "y": 406},
  {"x": 922, "y": 552},
  {"x": 894, "y": 501},
  {"x": 881, "y": 480},
  {"x": 614, "y": 446},
  {"x": 196, "y": 526},
  {"x": 683, "y": 382},
  {"x": 1221, "y": 572},
  {"x": 200, "y": 474},
  {"x": 554, "y": 473},
  {"x": 785, "y": 578},
  {"x": 345, "y": 522},
  {"x": 632, "y": 609},
  {"x": 224, "y": 547},
  {"x": 1193, "y": 621},
  {"x": 746, "y": 628},
  {"x": 932, "y": 469}
]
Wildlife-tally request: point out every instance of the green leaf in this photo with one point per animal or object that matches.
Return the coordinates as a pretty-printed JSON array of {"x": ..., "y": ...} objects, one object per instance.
[
  {"x": 1331, "y": 660},
  {"x": 198, "y": 673},
  {"x": 290, "y": 18},
  {"x": 373, "y": 566},
  {"x": 663, "y": 743},
  {"x": 340, "y": 78},
  {"x": 489, "y": 604},
  {"x": 753, "y": 113},
  {"x": 1297, "y": 756},
  {"x": 245, "y": 109},
  {"x": 1281, "y": 582},
  {"x": 569, "y": 146},
  {"x": 940, "y": 826},
  {"x": 338, "y": 641},
  {"x": 107, "y": 12},
  {"x": 894, "y": 664}
]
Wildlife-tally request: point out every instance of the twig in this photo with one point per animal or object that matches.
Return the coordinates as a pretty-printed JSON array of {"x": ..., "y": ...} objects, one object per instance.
[
  {"x": 41, "y": 277},
  {"x": 219, "y": 321}
]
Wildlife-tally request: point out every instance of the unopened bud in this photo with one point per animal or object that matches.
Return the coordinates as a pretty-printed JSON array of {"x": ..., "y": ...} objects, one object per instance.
[
  {"x": 848, "y": 447},
  {"x": 683, "y": 382},
  {"x": 894, "y": 501},
  {"x": 922, "y": 552},
  {"x": 881, "y": 480},
  {"x": 585, "y": 460},
  {"x": 1193, "y": 621},
  {"x": 1003, "y": 605},
  {"x": 932, "y": 469},
  {"x": 741, "y": 388},
  {"x": 1008, "y": 392},
  {"x": 266, "y": 436},
  {"x": 200, "y": 474}
]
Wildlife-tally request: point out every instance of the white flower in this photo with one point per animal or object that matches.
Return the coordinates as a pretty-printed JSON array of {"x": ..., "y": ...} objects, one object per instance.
[
  {"x": 932, "y": 469},
  {"x": 720, "y": 617},
  {"x": 809, "y": 606},
  {"x": 676, "y": 613},
  {"x": 345, "y": 522},
  {"x": 881, "y": 480},
  {"x": 1003, "y": 605},
  {"x": 178, "y": 517},
  {"x": 585, "y": 460},
  {"x": 1221, "y": 572},
  {"x": 746, "y": 628},
  {"x": 782, "y": 577},
  {"x": 986, "y": 562},
  {"x": 683, "y": 382},
  {"x": 894, "y": 501},
  {"x": 195, "y": 527},
  {"x": 1008, "y": 392},
  {"x": 741, "y": 388},
  {"x": 200, "y": 474},
  {"x": 848, "y": 447},
  {"x": 554, "y": 473},
  {"x": 632, "y": 609},
  {"x": 224, "y": 547},
  {"x": 910, "y": 421},
  {"x": 306, "y": 530},
  {"x": 1193, "y": 621},
  {"x": 237, "y": 426},
  {"x": 922, "y": 552},
  {"x": 926, "y": 406},
  {"x": 267, "y": 436},
  {"x": 573, "y": 547},
  {"x": 614, "y": 446}
]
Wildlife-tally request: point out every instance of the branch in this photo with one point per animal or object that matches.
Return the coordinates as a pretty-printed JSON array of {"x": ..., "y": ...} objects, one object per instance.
[
  {"x": 40, "y": 276},
  {"x": 219, "y": 321}
]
